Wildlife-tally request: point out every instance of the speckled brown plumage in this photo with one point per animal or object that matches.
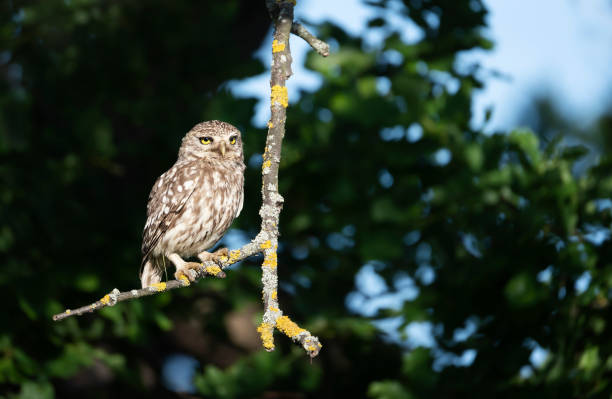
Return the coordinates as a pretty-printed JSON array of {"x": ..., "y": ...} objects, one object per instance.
[{"x": 193, "y": 204}]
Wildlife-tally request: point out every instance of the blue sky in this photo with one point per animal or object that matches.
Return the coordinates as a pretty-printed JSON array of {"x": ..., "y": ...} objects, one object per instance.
[{"x": 562, "y": 47}]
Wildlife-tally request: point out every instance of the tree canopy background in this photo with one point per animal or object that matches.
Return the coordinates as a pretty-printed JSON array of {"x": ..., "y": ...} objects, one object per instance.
[{"x": 499, "y": 243}]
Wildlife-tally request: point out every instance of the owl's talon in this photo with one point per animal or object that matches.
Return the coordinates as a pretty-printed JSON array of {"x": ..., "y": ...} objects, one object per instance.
[
  {"x": 220, "y": 256},
  {"x": 190, "y": 270}
]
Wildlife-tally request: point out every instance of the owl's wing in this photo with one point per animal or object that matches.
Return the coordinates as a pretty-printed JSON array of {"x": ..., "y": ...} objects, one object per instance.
[
  {"x": 168, "y": 197},
  {"x": 241, "y": 203}
]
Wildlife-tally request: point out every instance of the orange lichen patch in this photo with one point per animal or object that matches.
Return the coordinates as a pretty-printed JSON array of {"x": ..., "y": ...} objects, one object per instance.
[
  {"x": 280, "y": 95},
  {"x": 234, "y": 256},
  {"x": 274, "y": 295},
  {"x": 183, "y": 279},
  {"x": 266, "y": 244},
  {"x": 265, "y": 330},
  {"x": 277, "y": 46},
  {"x": 105, "y": 299},
  {"x": 213, "y": 270},
  {"x": 270, "y": 260},
  {"x": 158, "y": 286},
  {"x": 287, "y": 327}
]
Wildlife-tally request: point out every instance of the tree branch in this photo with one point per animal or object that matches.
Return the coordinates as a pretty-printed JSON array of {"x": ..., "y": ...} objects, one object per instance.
[
  {"x": 282, "y": 12},
  {"x": 266, "y": 241},
  {"x": 208, "y": 269},
  {"x": 317, "y": 44},
  {"x": 298, "y": 29}
]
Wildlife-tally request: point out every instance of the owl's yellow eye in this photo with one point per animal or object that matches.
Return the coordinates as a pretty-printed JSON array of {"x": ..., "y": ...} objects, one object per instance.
[
  {"x": 205, "y": 140},
  {"x": 232, "y": 140}
]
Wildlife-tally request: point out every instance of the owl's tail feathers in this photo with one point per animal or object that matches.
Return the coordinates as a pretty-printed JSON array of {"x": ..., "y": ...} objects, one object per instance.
[{"x": 150, "y": 274}]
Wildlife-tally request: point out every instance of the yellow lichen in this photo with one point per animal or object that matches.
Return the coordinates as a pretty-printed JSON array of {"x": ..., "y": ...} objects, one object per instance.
[
  {"x": 274, "y": 295},
  {"x": 223, "y": 259},
  {"x": 105, "y": 300},
  {"x": 273, "y": 309},
  {"x": 277, "y": 46},
  {"x": 287, "y": 327},
  {"x": 270, "y": 260},
  {"x": 266, "y": 244},
  {"x": 214, "y": 270},
  {"x": 266, "y": 330},
  {"x": 184, "y": 280},
  {"x": 68, "y": 311},
  {"x": 234, "y": 256},
  {"x": 158, "y": 286},
  {"x": 270, "y": 125},
  {"x": 266, "y": 164},
  {"x": 280, "y": 96},
  {"x": 310, "y": 343}
]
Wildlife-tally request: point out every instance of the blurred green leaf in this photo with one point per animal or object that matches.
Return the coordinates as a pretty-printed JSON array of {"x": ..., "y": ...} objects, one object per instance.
[{"x": 388, "y": 390}]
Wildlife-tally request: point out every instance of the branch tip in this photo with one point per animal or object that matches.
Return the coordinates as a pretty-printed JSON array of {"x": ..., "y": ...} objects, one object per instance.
[{"x": 317, "y": 44}]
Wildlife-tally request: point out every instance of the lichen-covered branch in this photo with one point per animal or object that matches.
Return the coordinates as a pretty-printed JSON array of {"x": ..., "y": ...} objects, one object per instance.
[
  {"x": 298, "y": 29},
  {"x": 208, "y": 269},
  {"x": 317, "y": 44},
  {"x": 281, "y": 12}
]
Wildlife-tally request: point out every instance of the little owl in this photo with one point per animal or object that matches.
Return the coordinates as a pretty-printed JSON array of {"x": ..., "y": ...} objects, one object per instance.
[{"x": 193, "y": 204}]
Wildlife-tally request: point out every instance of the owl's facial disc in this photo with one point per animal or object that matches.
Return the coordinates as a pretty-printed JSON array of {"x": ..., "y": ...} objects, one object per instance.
[{"x": 214, "y": 140}]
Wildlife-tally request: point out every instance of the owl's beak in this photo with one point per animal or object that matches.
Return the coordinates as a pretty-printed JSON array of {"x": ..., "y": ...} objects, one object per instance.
[{"x": 222, "y": 149}]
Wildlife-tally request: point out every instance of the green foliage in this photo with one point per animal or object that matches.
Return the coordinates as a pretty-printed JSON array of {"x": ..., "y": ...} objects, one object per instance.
[
  {"x": 253, "y": 374},
  {"x": 388, "y": 390},
  {"x": 380, "y": 167}
]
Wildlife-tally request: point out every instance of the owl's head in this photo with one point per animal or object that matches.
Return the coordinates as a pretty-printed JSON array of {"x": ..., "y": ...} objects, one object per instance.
[{"x": 212, "y": 140}]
